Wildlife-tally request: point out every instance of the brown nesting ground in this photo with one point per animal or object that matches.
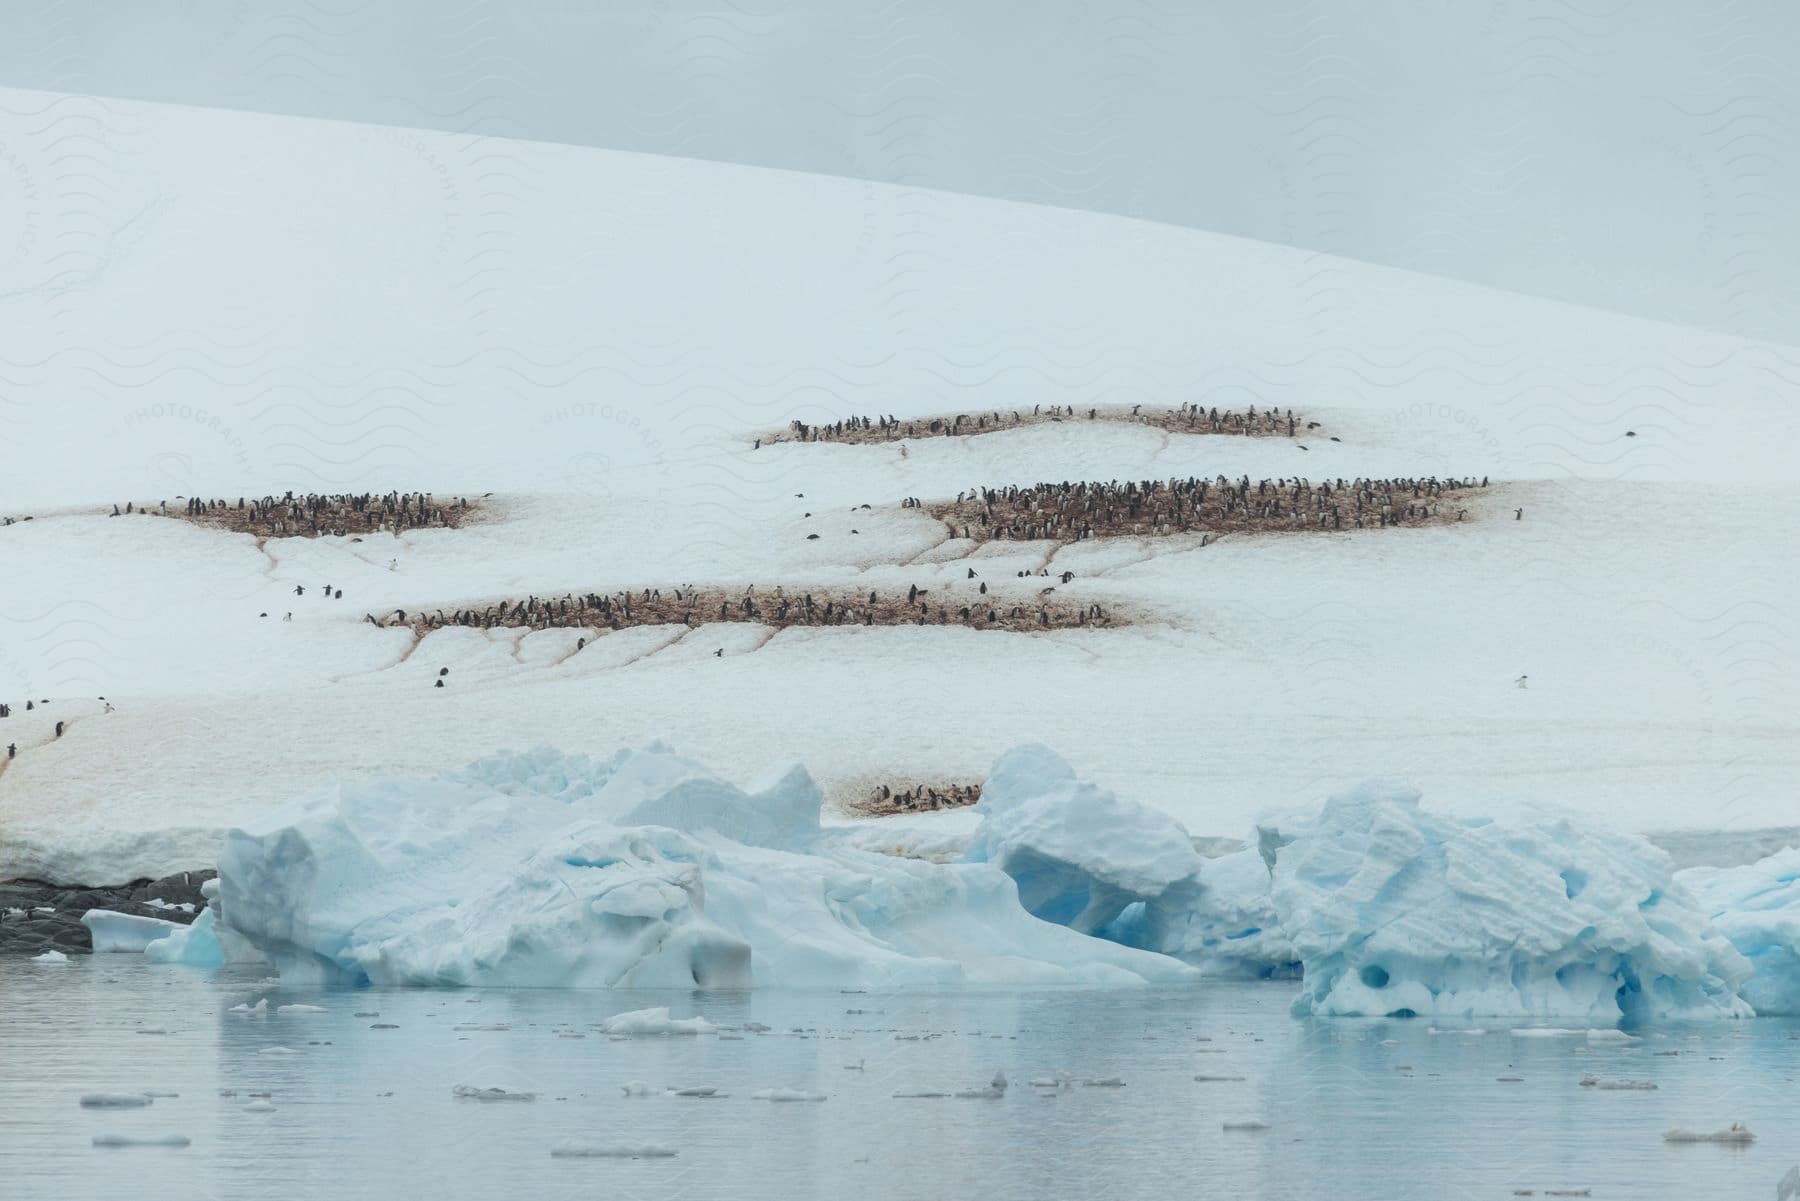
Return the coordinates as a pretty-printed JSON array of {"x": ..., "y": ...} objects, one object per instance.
[
  {"x": 318, "y": 515},
  {"x": 1187, "y": 419},
  {"x": 778, "y": 607},
  {"x": 1070, "y": 512},
  {"x": 889, "y": 800}
]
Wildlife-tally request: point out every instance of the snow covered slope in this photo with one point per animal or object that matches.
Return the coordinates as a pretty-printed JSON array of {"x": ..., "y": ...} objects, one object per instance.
[{"x": 230, "y": 303}]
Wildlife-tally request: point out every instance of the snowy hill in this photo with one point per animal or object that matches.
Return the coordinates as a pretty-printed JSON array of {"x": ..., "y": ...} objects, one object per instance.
[{"x": 229, "y": 303}]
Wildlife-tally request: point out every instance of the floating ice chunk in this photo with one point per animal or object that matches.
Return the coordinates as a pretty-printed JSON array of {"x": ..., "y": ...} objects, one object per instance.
[
  {"x": 1245, "y": 1124},
  {"x": 1104, "y": 1082},
  {"x": 132, "y": 1140},
  {"x": 1394, "y": 910},
  {"x": 203, "y": 943},
  {"x": 469, "y": 1092},
  {"x": 125, "y": 932},
  {"x": 1737, "y": 1132},
  {"x": 996, "y": 1089},
  {"x": 114, "y": 1100},
  {"x": 50, "y": 956},
  {"x": 654, "y": 1021},
  {"x": 260, "y": 1107},
  {"x": 1757, "y": 907},
  {"x": 158, "y": 1092},
  {"x": 785, "y": 1094},
  {"x": 919, "y": 1095},
  {"x": 1219, "y": 1079},
  {"x": 1470, "y": 1032},
  {"x": 1607, "y": 1086},
  {"x": 623, "y": 1151},
  {"x": 701, "y": 1091},
  {"x": 280, "y": 1051},
  {"x": 306, "y": 1009},
  {"x": 245, "y": 1007},
  {"x": 638, "y": 1088}
]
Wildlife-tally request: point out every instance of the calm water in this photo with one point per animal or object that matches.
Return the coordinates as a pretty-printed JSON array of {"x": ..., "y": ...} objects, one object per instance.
[{"x": 364, "y": 1112}]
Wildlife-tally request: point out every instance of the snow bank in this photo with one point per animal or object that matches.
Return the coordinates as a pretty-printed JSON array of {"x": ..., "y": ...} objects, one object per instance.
[
  {"x": 1396, "y": 910},
  {"x": 643, "y": 870},
  {"x": 113, "y": 931},
  {"x": 1757, "y": 907}
]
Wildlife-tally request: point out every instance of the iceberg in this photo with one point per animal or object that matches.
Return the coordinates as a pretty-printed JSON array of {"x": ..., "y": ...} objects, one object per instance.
[
  {"x": 1079, "y": 855},
  {"x": 1757, "y": 907},
  {"x": 1397, "y": 911},
  {"x": 641, "y": 870},
  {"x": 126, "y": 932},
  {"x": 1083, "y": 858},
  {"x": 202, "y": 943}
]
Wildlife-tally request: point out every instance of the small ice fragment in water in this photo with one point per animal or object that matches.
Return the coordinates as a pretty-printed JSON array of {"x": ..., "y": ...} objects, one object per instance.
[
  {"x": 1219, "y": 1079},
  {"x": 51, "y": 956},
  {"x": 471, "y": 1093},
  {"x": 1105, "y": 1082},
  {"x": 589, "y": 1151},
  {"x": 261, "y": 1006},
  {"x": 114, "y": 1100},
  {"x": 785, "y": 1094},
  {"x": 995, "y": 1090},
  {"x": 300, "y": 1008},
  {"x": 654, "y": 1021},
  {"x": 1592, "y": 1081},
  {"x": 1245, "y": 1124},
  {"x": 280, "y": 1051},
  {"x": 696, "y": 1092},
  {"x": 127, "y": 1140},
  {"x": 1737, "y": 1132},
  {"x": 260, "y": 1107}
]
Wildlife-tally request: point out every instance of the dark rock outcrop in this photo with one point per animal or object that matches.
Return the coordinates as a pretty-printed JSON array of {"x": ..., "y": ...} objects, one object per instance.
[{"x": 37, "y": 916}]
